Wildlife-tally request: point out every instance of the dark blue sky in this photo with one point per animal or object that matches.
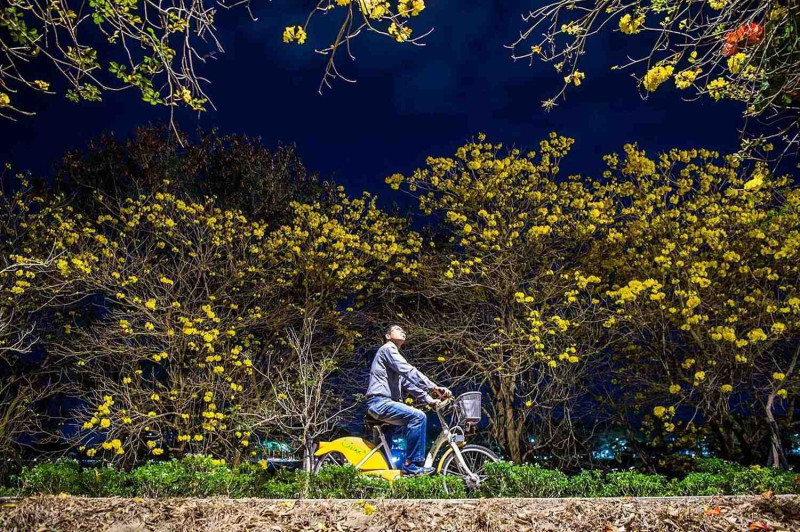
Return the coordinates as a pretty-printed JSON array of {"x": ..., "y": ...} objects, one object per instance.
[{"x": 408, "y": 102}]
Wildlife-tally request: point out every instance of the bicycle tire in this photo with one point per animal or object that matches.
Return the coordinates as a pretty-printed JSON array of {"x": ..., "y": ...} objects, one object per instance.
[
  {"x": 471, "y": 454},
  {"x": 331, "y": 458}
]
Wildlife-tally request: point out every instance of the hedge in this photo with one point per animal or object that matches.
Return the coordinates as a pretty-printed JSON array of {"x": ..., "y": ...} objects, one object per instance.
[{"x": 197, "y": 476}]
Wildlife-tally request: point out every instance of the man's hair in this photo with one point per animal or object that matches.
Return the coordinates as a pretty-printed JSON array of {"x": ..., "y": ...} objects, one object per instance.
[{"x": 388, "y": 329}]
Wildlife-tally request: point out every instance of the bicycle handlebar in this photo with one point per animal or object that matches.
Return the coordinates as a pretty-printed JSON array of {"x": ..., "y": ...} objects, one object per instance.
[{"x": 443, "y": 403}]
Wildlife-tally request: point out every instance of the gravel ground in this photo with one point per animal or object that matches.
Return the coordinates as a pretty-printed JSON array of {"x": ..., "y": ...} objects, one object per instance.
[{"x": 57, "y": 513}]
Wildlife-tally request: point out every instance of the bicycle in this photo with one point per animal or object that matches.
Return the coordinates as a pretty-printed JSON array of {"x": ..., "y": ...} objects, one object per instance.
[{"x": 459, "y": 458}]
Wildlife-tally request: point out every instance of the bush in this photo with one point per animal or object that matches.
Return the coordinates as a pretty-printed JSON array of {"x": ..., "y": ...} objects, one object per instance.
[
  {"x": 193, "y": 476},
  {"x": 588, "y": 483},
  {"x": 716, "y": 466},
  {"x": 429, "y": 487},
  {"x": 199, "y": 476},
  {"x": 508, "y": 480},
  {"x": 334, "y": 482},
  {"x": 62, "y": 476},
  {"x": 106, "y": 482},
  {"x": 634, "y": 484},
  {"x": 700, "y": 484}
]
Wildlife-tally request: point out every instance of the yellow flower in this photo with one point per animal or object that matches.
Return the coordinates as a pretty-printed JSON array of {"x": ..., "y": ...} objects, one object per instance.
[
  {"x": 782, "y": 393},
  {"x": 410, "y": 8},
  {"x": 700, "y": 376},
  {"x": 778, "y": 376},
  {"x": 726, "y": 388},
  {"x": 735, "y": 62},
  {"x": 368, "y": 509},
  {"x": 754, "y": 183},
  {"x": 656, "y": 76},
  {"x": 528, "y": 404},
  {"x": 294, "y": 34},
  {"x": 400, "y": 33},
  {"x": 575, "y": 78},
  {"x": 757, "y": 335},
  {"x": 105, "y": 423},
  {"x": 717, "y": 4},
  {"x": 630, "y": 25},
  {"x": 5, "y": 101},
  {"x": 675, "y": 388},
  {"x": 685, "y": 79},
  {"x": 716, "y": 88},
  {"x": 659, "y": 411}
]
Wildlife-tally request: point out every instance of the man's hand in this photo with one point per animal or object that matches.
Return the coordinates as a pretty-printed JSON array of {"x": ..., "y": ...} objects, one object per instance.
[
  {"x": 442, "y": 392},
  {"x": 434, "y": 404}
]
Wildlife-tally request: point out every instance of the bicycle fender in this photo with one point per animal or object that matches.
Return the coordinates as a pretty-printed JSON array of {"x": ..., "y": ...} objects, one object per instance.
[{"x": 354, "y": 450}]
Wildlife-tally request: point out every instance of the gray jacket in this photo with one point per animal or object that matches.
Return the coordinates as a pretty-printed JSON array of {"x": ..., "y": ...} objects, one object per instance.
[{"x": 390, "y": 370}]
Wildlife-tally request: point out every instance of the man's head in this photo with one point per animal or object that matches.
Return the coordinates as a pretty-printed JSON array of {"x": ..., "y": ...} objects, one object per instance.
[{"x": 396, "y": 334}]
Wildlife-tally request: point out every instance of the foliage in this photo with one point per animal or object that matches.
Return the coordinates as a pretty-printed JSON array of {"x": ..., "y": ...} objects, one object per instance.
[
  {"x": 237, "y": 169},
  {"x": 154, "y": 48},
  {"x": 706, "y": 248},
  {"x": 741, "y": 50},
  {"x": 357, "y": 16},
  {"x": 198, "y": 476},
  {"x": 505, "y": 302}
]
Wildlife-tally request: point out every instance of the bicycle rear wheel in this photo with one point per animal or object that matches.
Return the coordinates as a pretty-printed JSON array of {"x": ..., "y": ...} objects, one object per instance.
[
  {"x": 475, "y": 457},
  {"x": 331, "y": 458}
]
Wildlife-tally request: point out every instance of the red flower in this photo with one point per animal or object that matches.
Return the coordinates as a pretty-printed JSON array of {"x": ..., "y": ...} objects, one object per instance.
[
  {"x": 729, "y": 48},
  {"x": 748, "y": 33},
  {"x": 754, "y": 32}
]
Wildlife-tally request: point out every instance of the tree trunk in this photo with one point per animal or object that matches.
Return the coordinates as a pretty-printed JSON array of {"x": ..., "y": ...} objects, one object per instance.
[
  {"x": 777, "y": 458},
  {"x": 505, "y": 428}
]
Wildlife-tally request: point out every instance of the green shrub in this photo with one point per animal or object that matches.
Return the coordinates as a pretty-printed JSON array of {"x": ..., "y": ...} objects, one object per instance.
[
  {"x": 192, "y": 476},
  {"x": 345, "y": 482},
  {"x": 429, "y": 487},
  {"x": 634, "y": 484},
  {"x": 758, "y": 479},
  {"x": 106, "y": 482},
  {"x": 199, "y": 476},
  {"x": 700, "y": 484},
  {"x": 508, "y": 480},
  {"x": 716, "y": 466},
  {"x": 587, "y": 483},
  {"x": 52, "y": 478}
]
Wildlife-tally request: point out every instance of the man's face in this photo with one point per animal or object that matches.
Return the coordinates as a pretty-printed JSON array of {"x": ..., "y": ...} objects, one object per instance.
[{"x": 397, "y": 335}]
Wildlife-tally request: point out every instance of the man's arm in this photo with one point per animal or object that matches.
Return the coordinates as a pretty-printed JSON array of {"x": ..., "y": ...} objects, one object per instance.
[
  {"x": 416, "y": 392},
  {"x": 410, "y": 374}
]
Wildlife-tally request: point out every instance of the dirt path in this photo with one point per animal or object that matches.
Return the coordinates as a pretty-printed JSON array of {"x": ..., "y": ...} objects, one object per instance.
[{"x": 218, "y": 514}]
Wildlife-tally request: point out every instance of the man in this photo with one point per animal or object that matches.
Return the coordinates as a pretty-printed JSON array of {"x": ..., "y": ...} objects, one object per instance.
[{"x": 388, "y": 372}]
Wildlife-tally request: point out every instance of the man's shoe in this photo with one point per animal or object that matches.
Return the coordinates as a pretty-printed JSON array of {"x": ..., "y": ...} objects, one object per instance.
[{"x": 412, "y": 469}]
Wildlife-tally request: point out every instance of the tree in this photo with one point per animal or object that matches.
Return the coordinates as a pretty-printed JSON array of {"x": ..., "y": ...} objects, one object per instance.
[
  {"x": 236, "y": 169},
  {"x": 154, "y": 48},
  {"x": 504, "y": 301},
  {"x": 307, "y": 405},
  {"x": 706, "y": 289},
  {"x": 740, "y": 50}
]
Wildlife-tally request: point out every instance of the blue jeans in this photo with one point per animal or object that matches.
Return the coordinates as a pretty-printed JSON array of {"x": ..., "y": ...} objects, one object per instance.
[{"x": 400, "y": 414}]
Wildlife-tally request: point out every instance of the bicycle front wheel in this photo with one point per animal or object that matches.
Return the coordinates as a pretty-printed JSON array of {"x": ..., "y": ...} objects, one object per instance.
[{"x": 475, "y": 457}]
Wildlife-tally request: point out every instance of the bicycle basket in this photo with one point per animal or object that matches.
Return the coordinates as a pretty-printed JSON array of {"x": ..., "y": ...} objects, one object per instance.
[{"x": 467, "y": 407}]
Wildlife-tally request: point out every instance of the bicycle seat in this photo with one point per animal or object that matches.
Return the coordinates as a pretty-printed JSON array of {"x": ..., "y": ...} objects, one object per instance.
[{"x": 370, "y": 421}]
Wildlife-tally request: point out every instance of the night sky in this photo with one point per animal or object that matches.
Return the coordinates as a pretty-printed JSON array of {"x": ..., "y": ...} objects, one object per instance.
[{"x": 408, "y": 102}]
